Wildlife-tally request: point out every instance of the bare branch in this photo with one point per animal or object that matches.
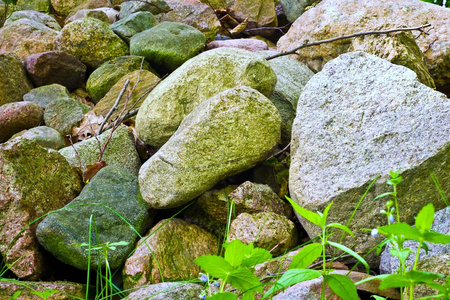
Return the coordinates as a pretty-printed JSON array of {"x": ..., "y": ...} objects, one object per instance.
[{"x": 307, "y": 44}]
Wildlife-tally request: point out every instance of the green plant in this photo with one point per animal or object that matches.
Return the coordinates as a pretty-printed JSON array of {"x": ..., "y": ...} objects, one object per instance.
[
  {"x": 397, "y": 233},
  {"x": 235, "y": 268},
  {"x": 341, "y": 285},
  {"x": 4, "y": 16}
]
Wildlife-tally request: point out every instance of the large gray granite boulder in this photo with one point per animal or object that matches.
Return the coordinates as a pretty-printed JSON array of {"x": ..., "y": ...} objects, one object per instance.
[
  {"x": 91, "y": 41},
  {"x": 167, "y": 290},
  {"x": 35, "y": 16},
  {"x": 227, "y": 134},
  {"x": 359, "y": 117},
  {"x": 120, "y": 151},
  {"x": 111, "y": 196},
  {"x": 196, "y": 81},
  {"x": 34, "y": 181},
  {"x": 13, "y": 79},
  {"x": 333, "y": 18}
]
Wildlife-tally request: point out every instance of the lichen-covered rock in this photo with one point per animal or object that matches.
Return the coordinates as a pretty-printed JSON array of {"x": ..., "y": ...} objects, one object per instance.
[
  {"x": 435, "y": 264},
  {"x": 359, "y": 117},
  {"x": 167, "y": 253},
  {"x": 153, "y": 6},
  {"x": 25, "y": 37},
  {"x": 104, "y": 77},
  {"x": 35, "y": 16},
  {"x": 63, "y": 7},
  {"x": 120, "y": 151},
  {"x": 13, "y": 79},
  {"x": 90, "y": 13},
  {"x": 267, "y": 230},
  {"x": 115, "y": 192},
  {"x": 249, "y": 197},
  {"x": 133, "y": 24},
  {"x": 246, "y": 44},
  {"x": 45, "y": 95},
  {"x": 65, "y": 290},
  {"x": 55, "y": 67},
  {"x": 168, "y": 45},
  {"x": 167, "y": 290},
  {"x": 400, "y": 49},
  {"x": 91, "y": 41},
  {"x": 35, "y": 5},
  {"x": 321, "y": 22},
  {"x": 292, "y": 76},
  {"x": 17, "y": 116},
  {"x": 194, "y": 82},
  {"x": 147, "y": 80},
  {"x": 44, "y": 136},
  {"x": 197, "y": 15},
  {"x": 295, "y": 8},
  {"x": 220, "y": 138},
  {"x": 34, "y": 182},
  {"x": 260, "y": 13},
  {"x": 64, "y": 113}
]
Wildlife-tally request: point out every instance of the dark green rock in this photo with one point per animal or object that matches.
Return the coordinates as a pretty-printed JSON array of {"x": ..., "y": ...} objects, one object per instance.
[
  {"x": 133, "y": 24},
  {"x": 168, "y": 45},
  {"x": 62, "y": 232},
  {"x": 45, "y": 136},
  {"x": 13, "y": 79},
  {"x": 44, "y": 95},
  {"x": 64, "y": 113},
  {"x": 103, "y": 78},
  {"x": 153, "y": 6}
]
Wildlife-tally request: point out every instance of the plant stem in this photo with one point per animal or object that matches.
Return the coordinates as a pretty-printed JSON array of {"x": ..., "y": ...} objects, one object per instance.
[{"x": 396, "y": 203}]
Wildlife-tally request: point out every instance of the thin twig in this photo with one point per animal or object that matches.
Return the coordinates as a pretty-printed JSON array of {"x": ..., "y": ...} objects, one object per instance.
[
  {"x": 306, "y": 44},
  {"x": 75, "y": 149},
  {"x": 218, "y": 18},
  {"x": 114, "y": 107},
  {"x": 269, "y": 28}
]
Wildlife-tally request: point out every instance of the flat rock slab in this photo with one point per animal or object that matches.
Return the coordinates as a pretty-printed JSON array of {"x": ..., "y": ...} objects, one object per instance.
[
  {"x": 359, "y": 117},
  {"x": 62, "y": 232},
  {"x": 167, "y": 253},
  {"x": 34, "y": 181},
  {"x": 333, "y": 18},
  {"x": 220, "y": 138},
  {"x": 120, "y": 151},
  {"x": 196, "y": 81}
]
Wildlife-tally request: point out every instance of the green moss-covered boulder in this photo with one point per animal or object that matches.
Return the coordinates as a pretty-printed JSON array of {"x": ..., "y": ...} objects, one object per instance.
[
  {"x": 91, "y": 41},
  {"x": 104, "y": 77},
  {"x": 35, "y": 16},
  {"x": 194, "y": 82},
  {"x": 34, "y": 181},
  {"x": 64, "y": 113},
  {"x": 63, "y": 7},
  {"x": 45, "y": 136},
  {"x": 119, "y": 152},
  {"x": 14, "y": 82},
  {"x": 61, "y": 233},
  {"x": 167, "y": 253},
  {"x": 168, "y": 45},
  {"x": 133, "y": 24},
  {"x": 220, "y": 138},
  {"x": 46, "y": 94},
  {"x": 147, "y": 80},
  {"x": 153, "y": 6}
]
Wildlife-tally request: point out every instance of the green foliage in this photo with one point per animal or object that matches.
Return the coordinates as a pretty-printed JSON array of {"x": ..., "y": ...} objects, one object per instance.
[
  {"x": 444, "y": 3},
  {"x": 235, "y": 268}
]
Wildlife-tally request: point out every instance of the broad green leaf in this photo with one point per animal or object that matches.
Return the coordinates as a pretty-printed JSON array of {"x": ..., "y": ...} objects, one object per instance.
[
  {"x": 292, "y": 277},
  {"x": 325, "y": 215},
  {"x": 243, "y": 279},
  {"x": 402, "y": 254},
  {"x": 436, "y": 237},
  {"x": 401, "y": 229},
  {"x": 342, "y": 286},
  {"x": 381, "y": 277},
  {"x": 412, "y": 277},
  {"x": 376, "y": 297},
  {"x": 215, "y": 265},
  {"x": 248, "y": 296},
  {"x": 223, "y": 296},
  {"x": 15, "y": 295},
  {"x": 425, "y": 217},
  {"x": 342, "y": 227},
  {"x": 236, "y": 251},
  {"x": 384, "y": 195},
  {"x": 313, "y": 217},
  {"x": 257, "y": 256},
  {"x": 306, "y": 256},
  {"x": 351, "y": 252}
]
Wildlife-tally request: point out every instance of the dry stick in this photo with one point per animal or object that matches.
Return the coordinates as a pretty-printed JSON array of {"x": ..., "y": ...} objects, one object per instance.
[
  {"x": 218, "y": 18},
  {"x": 305, "y": 44},
  {"x": 76, "y": 152},
  {"x": 114, "y": 107}
]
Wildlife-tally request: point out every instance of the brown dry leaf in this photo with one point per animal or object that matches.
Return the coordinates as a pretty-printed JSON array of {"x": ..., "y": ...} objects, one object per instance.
[
  {"x": 88, "y": 126},
  {"x": 92, "y": 169}
]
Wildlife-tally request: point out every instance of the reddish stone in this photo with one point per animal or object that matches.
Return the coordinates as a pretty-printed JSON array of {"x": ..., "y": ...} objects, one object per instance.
[
  {"x": 17, "y": 116},
  {"x": 55, "y": 67}
]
